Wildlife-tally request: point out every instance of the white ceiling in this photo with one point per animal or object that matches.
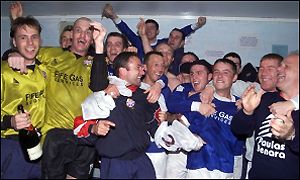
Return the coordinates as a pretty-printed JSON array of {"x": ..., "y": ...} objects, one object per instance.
[{"x": 256, "y": 9}]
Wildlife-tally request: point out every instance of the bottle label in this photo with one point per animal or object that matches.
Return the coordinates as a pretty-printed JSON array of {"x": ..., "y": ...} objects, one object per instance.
[{"x": 35, "y": 152}]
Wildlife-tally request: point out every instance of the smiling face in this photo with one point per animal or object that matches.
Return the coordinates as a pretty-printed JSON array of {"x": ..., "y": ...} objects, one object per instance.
[
  {"x": 288, "y": 75},
  {"x": 167, "y": 52},
  {"x": 155, "y": 68},
  {"x": 27, "y": 40},
  {"x": 223, "y": 76},
  {"x": 134, "y": 71},
  {"x": 267, "y": 74},
  {"x": 114, "y": 46},
  {"x": 82, "y": 36},
  {"x": 199, "y": 77},
  {"x": 151, "y": 31}
]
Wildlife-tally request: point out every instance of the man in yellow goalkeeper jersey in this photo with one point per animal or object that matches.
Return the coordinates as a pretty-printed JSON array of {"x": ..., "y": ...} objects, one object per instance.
[{"x": 28, "y": 90}]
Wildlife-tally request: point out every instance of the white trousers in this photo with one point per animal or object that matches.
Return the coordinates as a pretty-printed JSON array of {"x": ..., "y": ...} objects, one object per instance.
[
  {"x": 159, "y": 161},
  {"x": 204, "y": 173},
  {"x": 176, "y": 166},
  {"x": 238, "y": 167}
]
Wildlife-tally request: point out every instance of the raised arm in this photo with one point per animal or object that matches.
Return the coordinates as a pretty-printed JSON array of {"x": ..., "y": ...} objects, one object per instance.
[
  {"x": 16, "y": 10},
  {"x": 141, "y": 26},
  {"x": 187, "y": 30},
  {"x": 251, "y": 99},
  {"x": 243, "y": 123},
  {"x": 98, "y": 79},
  {"x": 133, "y": 38}
]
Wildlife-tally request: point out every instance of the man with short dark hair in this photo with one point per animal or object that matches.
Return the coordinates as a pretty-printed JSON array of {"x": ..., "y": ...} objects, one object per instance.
[
  {"x": 267, "y": 75},
  {"x": 115, "y": 43},
  {"x": 217, "y": 158},
  {"x": 123, "y": 148},
  {"x": 184, "y": 99}
]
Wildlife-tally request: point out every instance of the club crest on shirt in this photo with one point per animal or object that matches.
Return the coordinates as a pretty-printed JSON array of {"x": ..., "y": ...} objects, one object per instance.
[
  {"x": 88, "y": 61},
  {"x": 130, "y": 103}
]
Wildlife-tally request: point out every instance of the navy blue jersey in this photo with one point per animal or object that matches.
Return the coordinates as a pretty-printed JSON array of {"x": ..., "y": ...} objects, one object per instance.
[
  {"x": 133, "y": 117},
  {"x": 271, "y": 158}
]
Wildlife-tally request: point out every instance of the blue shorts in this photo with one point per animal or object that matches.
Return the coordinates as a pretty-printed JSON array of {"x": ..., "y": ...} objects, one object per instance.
[
  {"x": 138, "y": 168},
  {"x": 13, "y": 163}
]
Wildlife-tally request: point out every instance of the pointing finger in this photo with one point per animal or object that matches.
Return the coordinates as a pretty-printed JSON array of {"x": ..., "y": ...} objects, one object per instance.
[{"x": 109, "y": 123}]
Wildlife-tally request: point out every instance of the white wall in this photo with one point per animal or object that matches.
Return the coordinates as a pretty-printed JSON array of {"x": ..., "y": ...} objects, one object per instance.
[{"x": 250, "y": 37}]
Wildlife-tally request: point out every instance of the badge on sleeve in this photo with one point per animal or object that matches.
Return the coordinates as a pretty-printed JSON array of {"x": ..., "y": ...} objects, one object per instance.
[{"x": 88, "y": 61}]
